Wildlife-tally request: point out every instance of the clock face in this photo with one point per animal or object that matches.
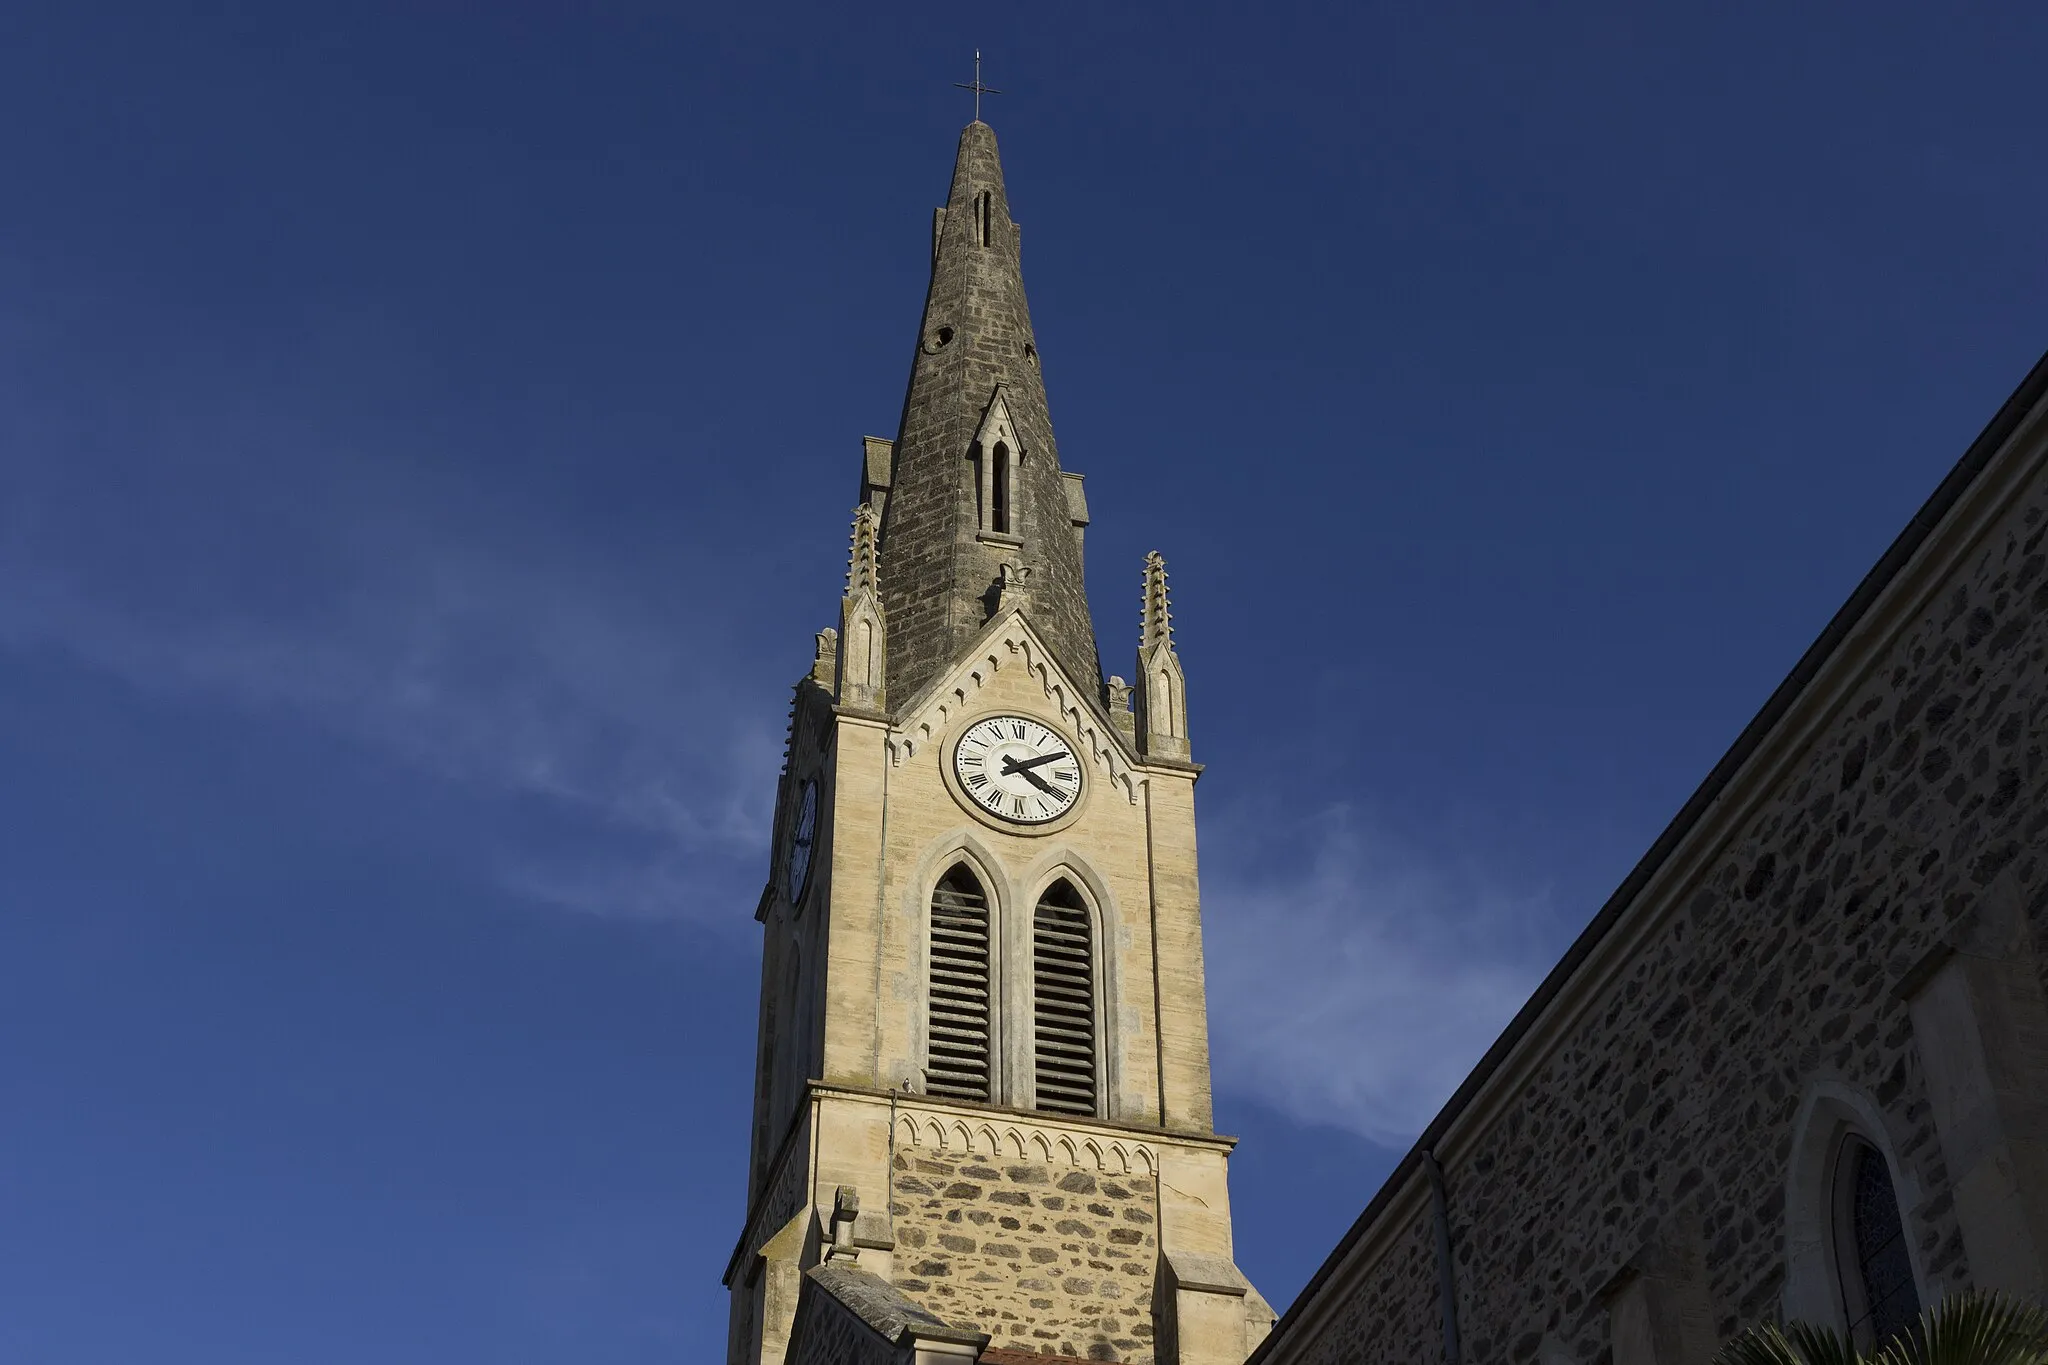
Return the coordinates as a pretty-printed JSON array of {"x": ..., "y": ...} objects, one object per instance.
[
  {"x": 1018, "y": 770},
  {"x": 802, "y": 836}
]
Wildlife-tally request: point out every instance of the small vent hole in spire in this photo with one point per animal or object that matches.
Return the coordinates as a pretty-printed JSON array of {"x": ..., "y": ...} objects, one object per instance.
[{"x": 981, "y": 216}]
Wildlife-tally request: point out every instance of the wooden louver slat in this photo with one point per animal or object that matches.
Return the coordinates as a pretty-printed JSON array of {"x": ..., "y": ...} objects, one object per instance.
[
  {"x": 1063, "y": 1002},
  {"x": 956, "y": 1047}
]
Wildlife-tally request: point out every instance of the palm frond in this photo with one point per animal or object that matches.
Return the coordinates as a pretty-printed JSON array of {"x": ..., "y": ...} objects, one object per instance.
[
  {"x": 1973, "y": 1329},
  {"x": 1964, "y": 1329},
  {"x": 1798, "y": 1343},
  {"x": 1823, "y": 1345}
]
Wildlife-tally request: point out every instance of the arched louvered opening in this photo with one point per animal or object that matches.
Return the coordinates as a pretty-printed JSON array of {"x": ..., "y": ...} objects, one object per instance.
[
  {"x": 1063, "y": 1002},
  {"x": 956, "y": 1048}
]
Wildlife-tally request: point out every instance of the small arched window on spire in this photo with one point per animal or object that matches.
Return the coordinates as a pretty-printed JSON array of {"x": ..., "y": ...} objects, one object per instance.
[
  {"x": 981, "y": 215},
  {"x": 957, "y": 1028},
  {"x": 1871, "y": 1256},
  {"x": 1063, "y": 1002}
]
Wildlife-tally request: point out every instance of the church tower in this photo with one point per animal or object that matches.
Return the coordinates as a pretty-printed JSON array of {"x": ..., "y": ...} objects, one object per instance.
[{"x": 982, "y": 1114}]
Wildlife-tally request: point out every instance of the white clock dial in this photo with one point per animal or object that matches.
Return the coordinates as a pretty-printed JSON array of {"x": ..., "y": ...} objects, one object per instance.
[{"x": 1018, "y": 769}]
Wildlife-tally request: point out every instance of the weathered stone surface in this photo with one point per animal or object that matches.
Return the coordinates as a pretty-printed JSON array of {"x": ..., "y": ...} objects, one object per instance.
[
  {"x": 975, "y": 335},
  {"x": 1075, "y": 1283}
]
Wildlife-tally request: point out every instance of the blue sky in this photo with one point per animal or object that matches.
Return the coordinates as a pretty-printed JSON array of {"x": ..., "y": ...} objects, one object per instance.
[{"x": 427, "y": 434}]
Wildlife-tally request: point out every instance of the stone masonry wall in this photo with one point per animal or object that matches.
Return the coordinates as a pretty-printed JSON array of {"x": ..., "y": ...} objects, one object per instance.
[
  {"x": 1667, "y": 1117},
  {"x": 1042, "y": 1258}
]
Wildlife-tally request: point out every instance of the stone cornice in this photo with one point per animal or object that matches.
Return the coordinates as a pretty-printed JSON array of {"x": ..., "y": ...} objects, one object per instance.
[{"x": 975, "y": 1119}]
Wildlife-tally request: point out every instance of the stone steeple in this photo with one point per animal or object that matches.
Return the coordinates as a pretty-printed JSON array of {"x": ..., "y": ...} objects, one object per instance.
[
  {"x": 982, "y": 1121},
  {"x": 976, "y": 511}
]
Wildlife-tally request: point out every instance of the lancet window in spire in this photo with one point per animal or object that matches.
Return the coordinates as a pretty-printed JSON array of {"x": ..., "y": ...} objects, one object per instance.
[
  {"x": 1063, "y": 1002},
  {"x": 957, "y": 1031},
  {"x": 999, "y": 490}
]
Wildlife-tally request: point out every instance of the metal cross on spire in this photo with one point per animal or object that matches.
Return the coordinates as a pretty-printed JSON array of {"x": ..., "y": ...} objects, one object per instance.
[{"x": 978, "y": 88}]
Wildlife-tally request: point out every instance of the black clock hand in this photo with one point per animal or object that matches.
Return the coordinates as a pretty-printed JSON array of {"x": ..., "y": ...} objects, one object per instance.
[
  {"x": 1012, "y": 768},
  {"x": 1011, "y": 765}
]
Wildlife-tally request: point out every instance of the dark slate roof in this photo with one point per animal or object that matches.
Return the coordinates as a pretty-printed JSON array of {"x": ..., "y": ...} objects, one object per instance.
[
  {"x": 2031, "y": 392},
  {"x": 975, "y": 335},
  {"x": 882, "y": 1306}
]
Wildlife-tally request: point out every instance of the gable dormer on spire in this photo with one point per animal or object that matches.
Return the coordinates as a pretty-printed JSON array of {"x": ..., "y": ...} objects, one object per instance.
[
  {"x": 997, "y": 455},
  {"x": 862, "y": 670},
  {"x": 974, "y": 481},
  {"x": 1162, "y": 691}
]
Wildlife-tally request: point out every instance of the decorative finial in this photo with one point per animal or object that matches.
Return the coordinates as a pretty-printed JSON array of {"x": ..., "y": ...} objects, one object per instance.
[
  {"x": 978, "y": 88},
  {"x": 1120, "y": 707},
  {"x": 1155, "y": 626},
  {"x": 863, "y": 571},
  {"x": 859, "y": 655},
  {"x": 1161, "y": 692},
  {"x": 1012, "y": 588}
]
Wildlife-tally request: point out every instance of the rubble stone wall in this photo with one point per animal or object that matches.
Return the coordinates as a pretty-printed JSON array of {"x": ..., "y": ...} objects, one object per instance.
[{"x": 1042, "y": 1258}]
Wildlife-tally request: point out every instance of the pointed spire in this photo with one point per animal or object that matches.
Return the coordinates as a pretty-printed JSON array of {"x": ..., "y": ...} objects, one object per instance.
[
  {"x": 862, "y": 572},
  {"x": 975, "y": 479},
  {"x": 1155, "y": 623},
  {"x": 1162, "y": 691},
  {"x": 862, "y": 653}
]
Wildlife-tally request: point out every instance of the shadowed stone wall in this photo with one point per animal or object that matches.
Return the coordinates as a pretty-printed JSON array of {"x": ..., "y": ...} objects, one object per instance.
[
  {"x": 1658, "y": 1129},
  {"x": 1042, "y": 1258}
]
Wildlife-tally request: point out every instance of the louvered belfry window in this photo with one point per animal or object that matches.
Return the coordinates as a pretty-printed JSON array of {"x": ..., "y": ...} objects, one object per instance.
[
  {"x": 957, "y": 1051},
  {"x": 1063, "y": 1002}
]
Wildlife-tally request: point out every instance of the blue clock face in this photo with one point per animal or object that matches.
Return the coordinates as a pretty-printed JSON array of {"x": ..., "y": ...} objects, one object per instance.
[{"x": 803, "y": 837}]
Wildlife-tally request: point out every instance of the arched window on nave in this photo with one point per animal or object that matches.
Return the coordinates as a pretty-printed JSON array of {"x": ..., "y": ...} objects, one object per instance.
[{"x": 1871, "y": 1257}]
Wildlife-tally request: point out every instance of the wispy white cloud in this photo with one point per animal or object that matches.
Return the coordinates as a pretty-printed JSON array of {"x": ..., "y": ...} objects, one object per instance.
[
  {"x": 261, "y": 531},
  {"x": 512, "y": 679},
  {"x": 1359, "y": 988}
]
